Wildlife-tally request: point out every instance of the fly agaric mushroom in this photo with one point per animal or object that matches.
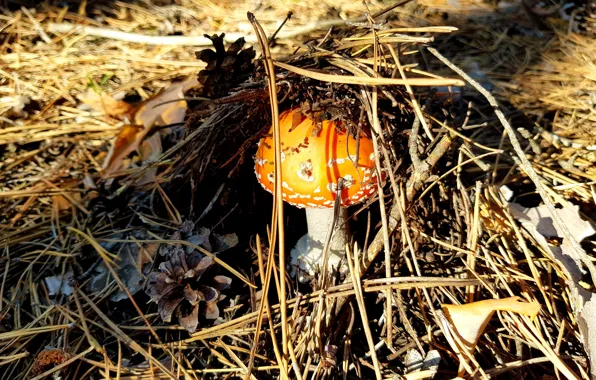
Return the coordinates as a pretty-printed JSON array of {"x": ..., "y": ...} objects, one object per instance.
[{"x": 312, "y": 166}]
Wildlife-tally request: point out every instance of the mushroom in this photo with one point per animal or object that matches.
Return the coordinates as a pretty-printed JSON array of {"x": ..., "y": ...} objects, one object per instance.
[{"x": 314, "y": 159}]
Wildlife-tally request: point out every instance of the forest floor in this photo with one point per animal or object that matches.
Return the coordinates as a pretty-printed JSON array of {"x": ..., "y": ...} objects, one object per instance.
[{"x": 136, "y": 242}]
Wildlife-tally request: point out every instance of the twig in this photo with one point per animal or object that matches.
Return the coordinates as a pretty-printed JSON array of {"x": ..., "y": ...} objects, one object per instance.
[
  {"x": 415, "y": 182},
  {"x": 186, "y": 40},
  {"x": 37, "y": 27},
  {"x": 374, "y": 115},
  {"x": 265, "y": 281},
  {"x": 279, "y": 28},
  {"x": 370, "y": 81}
]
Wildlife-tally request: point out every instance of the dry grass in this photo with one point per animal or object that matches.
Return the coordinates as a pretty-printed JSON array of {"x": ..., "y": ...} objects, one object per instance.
[{"x": 442, "y": 233}]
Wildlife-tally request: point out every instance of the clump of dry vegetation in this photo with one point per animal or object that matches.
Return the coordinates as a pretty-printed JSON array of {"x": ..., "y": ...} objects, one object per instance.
[{"x": 126, "y": 171}]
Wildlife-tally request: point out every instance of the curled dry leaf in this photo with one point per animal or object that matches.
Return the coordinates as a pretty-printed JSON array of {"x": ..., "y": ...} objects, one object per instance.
[
  {"x": 467, "y": 322},
  {"x": 126, "y": 142}
]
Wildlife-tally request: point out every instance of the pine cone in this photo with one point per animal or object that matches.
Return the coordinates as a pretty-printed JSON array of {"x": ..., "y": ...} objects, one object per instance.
[
  {"x": 181, "y": 285},
  {"x": 225, "y": 69}
]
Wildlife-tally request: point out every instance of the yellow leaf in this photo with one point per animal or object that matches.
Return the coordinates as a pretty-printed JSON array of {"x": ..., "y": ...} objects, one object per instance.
[{"x": 468, "y": 321}]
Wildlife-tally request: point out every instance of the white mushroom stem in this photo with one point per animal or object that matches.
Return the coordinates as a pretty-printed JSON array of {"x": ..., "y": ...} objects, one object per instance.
[{"x": 308, "y": 253}]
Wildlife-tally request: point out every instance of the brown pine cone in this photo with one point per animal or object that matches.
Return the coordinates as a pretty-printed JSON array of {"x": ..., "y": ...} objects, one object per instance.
[
  {"x": 181, "y": 285},
  {"x": 225, "y": 69}
]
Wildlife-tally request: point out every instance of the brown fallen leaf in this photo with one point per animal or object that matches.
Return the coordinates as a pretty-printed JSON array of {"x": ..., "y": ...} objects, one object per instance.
[
  {"x": 61, "y": 203},
  {"x": 467, "y": 322},
  {"x": 149, "y": 150},
  {"x": 105, "y": 103},
  {"x": 127, "y": 141},
  {"x": 165, "y": 108}
]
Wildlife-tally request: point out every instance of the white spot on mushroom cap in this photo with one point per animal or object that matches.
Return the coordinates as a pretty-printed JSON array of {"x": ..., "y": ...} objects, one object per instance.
[
  {"x": 348, "y": 181},
  {"x": 260, "y": 161},
  {"x": 285, "y": 185},
  {"x": 299, "y": 205},
  {"x": 271, "y": 177},
  {"x": 317, "y": 190},
  {"x": 305, "y": 172}
]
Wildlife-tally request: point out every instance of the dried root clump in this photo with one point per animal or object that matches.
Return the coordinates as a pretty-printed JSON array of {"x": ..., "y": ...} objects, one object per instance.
[{"x": 184, "y": 285}]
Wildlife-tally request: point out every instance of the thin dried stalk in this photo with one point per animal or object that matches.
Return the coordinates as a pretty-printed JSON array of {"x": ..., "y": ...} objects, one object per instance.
[
  {"x": 278, "y": 209},
  {"x": 354, "y": 275}
]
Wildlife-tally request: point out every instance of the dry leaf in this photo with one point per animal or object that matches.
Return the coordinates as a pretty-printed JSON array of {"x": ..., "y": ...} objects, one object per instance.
[
  {"x": 59, "y": 284},
  {"x": 150, "y": 150},
  {"x": 127, "y": 141},
  {"x": 467, "y": 322},
  {"x": 163, "y": 109},
  {"x": 105, "y": 103},
  {"x": 61, "y": 203},
  {"x": 540, "y": 218},
  {"x": 223, "y": 242},
  {"x": 538, "y": 222},
  {"x": 133, "y": 265},
  {"x": 201, "y": 238}
]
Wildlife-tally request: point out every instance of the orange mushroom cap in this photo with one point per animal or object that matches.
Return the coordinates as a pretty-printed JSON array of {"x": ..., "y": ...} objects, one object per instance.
[{"x": 312, "y": 166}]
